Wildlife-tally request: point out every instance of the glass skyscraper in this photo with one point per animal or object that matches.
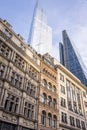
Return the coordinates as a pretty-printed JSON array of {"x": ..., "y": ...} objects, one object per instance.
[
  {"x": 40, "y": 37},
  {"x": 71, "y": 59}
]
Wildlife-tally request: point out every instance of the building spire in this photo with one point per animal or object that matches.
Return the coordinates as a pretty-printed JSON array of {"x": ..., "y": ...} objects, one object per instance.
[
  {"x": 40, "y": 32},
  {"x": 37, "y": 5}
]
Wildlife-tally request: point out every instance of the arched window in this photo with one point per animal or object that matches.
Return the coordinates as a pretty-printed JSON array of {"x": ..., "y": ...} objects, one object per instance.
[
  {"x": 43, "y": 118},
  {"x": 49, "y": 119},
  {"x": 54, "y": 121},
  {"x": 44, "y": 83},
  {"x": 49, "y": 100},
  {"x": 49, "y": 86},
  {"x": 54, "y": 88},
  {"x": 54, "y": 103},
  {"x": 44, "y": 98}
]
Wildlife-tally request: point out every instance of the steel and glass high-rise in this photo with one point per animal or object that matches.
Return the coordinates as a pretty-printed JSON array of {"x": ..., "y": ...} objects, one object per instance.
[
  {"x": 40, "y": 37},
  {"x": 71, "y": 59}
]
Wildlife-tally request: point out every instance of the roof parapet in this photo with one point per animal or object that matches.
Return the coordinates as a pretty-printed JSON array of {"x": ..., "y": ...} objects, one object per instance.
[{"x": 7, "y": 23}]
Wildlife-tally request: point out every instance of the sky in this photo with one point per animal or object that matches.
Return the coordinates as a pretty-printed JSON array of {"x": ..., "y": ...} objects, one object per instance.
[{"x": 69, "y": 15}]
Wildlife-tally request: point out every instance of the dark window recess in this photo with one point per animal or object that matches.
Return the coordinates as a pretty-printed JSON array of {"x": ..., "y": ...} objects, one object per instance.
[
  {"x": 7, "y": 126},
  {"x": 4, "y": 50},
  {"x": 31, "y": 89},
  {"x": 49, "y": 100},
  {"x": 11, "y": 103},
  {"x": 69, "y": 105},
  {"x": 49, "y": 119},
  {"x": 29, "y": 110},
  {"x": 63, "y": 102},
  {"x": 16, "y": 79},
  {"x": 19, "y": 61},
  {"x": 83, "y": 125},
  {"x": 43, "y": 118},
  {"x": 64, "y": 117},
  {"x": 33, "y": 73},
  {"x": 2, "y": 69},
  {"x": 78, "y": 123},
  {"x": 44, "y": 83},
  {"x": 54, "y": 104},
  {"x": 62, "y": 89},
  {"x": 61, "y": 77},
  {"x": 72, "y": 121},
  {"x": 54, "y": 121},
  {"x": 44, "y": 98},
  {"x": 75, "y": 107}
]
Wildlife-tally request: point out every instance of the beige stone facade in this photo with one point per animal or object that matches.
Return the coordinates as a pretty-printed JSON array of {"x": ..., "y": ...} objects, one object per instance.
[
  {"x": 48, "y": 95},
  {"x": 19, "y": 81},
  {"x": 72, "y": 101}
]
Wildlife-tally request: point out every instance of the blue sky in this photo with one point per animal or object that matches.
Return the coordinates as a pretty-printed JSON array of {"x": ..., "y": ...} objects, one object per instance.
[{"x": 61, "y": 14}]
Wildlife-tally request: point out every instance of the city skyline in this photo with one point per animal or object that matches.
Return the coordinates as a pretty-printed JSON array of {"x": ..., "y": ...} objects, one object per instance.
[{"x": 69, "y": 15}]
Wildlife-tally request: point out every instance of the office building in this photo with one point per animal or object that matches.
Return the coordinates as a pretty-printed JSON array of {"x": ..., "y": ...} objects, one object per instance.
[
  {"x": 72, "y": 101},
  {"x": 40, "y": 36},
  {"x": 70, "y": 58}
]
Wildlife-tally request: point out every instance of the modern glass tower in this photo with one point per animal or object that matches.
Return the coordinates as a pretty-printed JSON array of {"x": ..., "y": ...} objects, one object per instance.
[
  {"x": 70, "y": 58},
  {"x": 40, "y": 37}
]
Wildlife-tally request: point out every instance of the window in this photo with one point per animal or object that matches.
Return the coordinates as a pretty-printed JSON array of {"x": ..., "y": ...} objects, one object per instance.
[
  {"x": 62, "y": 89},
  {"x": 54, "y": 103},
  {"x": 7, "y": 126},
  {"x": 63, "y": 102},
  {"x": 2, "y": 69},
  {"x": 49, "y": 119},
  {"x": 61, "y": 77},
  {"x": 29, "y": 110},
  {"x": 79, "y": 101},
  {"x": 4, "y": 50},
  {"x": 7, "y": 33},
  {"x": 74, "y": 98},
  {"x": 75, "y": 107},
  {"x": 70, "y": 105},
  {"x": 31, "y": 89},
  {"x": 44, "y": 98},
  {"x": 69, "y": 95},
  {"x": 33, "y": 73},
  {"x": 78, "y": 123},
  {"x": 16, "y": 79},
  {"x": 54, "y": 121},
  {"x": 49, "y": 86},
  {"x": 49, "y": 101},
  {"x": 54, "y": 88},
  {"x": 11, "y": 103},
  {"x": 22, "y": 47},
  {"x": 44, "y": 83},
  {"x": 72, "y": 122},
  {"x": 83, "y": 125},
  {"x": 19, "y": 61},
  {"x": 43, "y": 118},
  {"x": 64, "y": 117}
]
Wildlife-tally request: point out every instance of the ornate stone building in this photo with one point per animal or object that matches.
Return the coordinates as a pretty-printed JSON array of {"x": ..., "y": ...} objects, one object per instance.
[
  {"x": 19, "y": 81},
  {"x": 72, "y": 101},
  {"x": 48, "y": 95},
  {"x": 37, "y": 92}
]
